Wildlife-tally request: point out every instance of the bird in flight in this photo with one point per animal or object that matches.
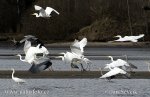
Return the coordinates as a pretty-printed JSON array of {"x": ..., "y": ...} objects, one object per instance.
[{"x": 44, "y": 13}]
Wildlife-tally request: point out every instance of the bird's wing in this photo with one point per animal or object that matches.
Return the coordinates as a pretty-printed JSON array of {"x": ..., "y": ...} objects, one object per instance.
[
  {"x": 41, "y": 65},
  {"x": 37, "y": 7},
  {"x": 75, "y": 47},
  {"x": 48, "y": 10},
  {"x": 19, "y": 80},
  {"x": 83, "y": 42},
  {"x": 27, "y": 37},
  {"x": 133, "y": 66},
  {"x": 27, "y": 45},
  {"x": 138, "y": 37},
  {"x": 87, "y": 61},
  {"x": 113, "y": 72},
  {"x": 56, "y": 11}
]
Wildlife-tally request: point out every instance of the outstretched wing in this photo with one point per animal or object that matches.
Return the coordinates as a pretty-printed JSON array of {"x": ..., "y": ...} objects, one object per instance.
[
  {"x": 27, "y": 37},
  {"x": 83, "y": 43},
  {"x": 37, "y": 7},
  {"x": 75, "y": 48},
  {"x": 27, "y": 45},
  {"x": 113, "y": 72},
  {"x": 49, "y": 10}
]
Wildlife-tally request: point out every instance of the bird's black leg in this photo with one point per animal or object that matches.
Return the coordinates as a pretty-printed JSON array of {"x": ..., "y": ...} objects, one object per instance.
[
  {"x": 50, "y": 68},
  {"x": 82, "y": 68}
]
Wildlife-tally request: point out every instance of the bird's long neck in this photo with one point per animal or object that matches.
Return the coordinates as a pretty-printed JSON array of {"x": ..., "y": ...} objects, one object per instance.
[
  {"x": 13, "y": 73},
  {"x": 111, "y": 58},
  {"x": 21, "y": 58},
  {"x": 37, "y": 15},
  {"x": 119, "y": 37}
]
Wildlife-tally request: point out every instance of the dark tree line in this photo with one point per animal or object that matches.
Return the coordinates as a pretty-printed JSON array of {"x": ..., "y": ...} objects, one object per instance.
[{"x": 105, "y": 18}]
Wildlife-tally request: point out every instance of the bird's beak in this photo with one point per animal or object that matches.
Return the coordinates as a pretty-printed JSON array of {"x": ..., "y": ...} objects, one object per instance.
[{"x": 32, "y": 14}]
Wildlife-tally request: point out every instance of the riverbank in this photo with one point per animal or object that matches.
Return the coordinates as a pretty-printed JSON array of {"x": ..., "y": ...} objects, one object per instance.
[{"x": 90, "y": 44}]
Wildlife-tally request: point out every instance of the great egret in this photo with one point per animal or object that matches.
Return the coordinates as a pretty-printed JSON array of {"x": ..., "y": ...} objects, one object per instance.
[
  {"x": 72, "y": 59},
  {"x": 32, "y": 52},
  {"x": 16, "y": 79},
  {"x": 113, "y": 72},
  {"x": 119, "y": 63},
  {"x": 40, "y": 64},
  {"x": 129, "y": 38},
  {"x": 44, "y": 13}
]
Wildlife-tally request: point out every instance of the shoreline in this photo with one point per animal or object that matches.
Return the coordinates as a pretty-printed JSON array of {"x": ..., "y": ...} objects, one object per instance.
[
  {"x": 90, "y": 44},
  {"x": 69, "y": 74}
]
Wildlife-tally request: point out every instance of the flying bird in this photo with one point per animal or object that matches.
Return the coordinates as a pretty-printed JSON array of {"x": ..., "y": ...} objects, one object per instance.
[
  {"x": 44, "y": 13},
  {"x": 16, "y": 79},
  {"x": 119, "y": 63},
  {"x": 129, "y": 38},
  {"x": 32, "y": 52}
]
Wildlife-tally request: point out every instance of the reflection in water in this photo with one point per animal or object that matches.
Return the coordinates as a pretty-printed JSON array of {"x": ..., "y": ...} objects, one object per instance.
[{"x": 75, "y": 88}]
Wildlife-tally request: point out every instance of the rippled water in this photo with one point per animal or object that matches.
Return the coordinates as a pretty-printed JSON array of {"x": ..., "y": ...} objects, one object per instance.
[
  {"x": 75, "y": 88},
  {"x": 59, "y": 65}
]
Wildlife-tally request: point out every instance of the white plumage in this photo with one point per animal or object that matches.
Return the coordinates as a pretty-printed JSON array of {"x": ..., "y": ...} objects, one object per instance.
[
  {"x": 129, "y": 38},
  {"x": 16, "y": 79},
  {"x": 117, "y": 63},
  {"x": 31, "y": 53},
  {"x": 113, "y": 72},
  {"x": 44, "y": 13}
]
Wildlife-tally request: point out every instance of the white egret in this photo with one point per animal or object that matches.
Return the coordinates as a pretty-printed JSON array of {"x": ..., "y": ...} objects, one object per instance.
[
  {"x": 16, "y": 79},
  {"x": 117, "y": 63},
  {"x": 113, "y": 72},
  {"x": 129, "y": 38},
  {"x": 44, "y": 13},
  {"x": 32, "y": 52},
  {"x": 72, "y": 59}
]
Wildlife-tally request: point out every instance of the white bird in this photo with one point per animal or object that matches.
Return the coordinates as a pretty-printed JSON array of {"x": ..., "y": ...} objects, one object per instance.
[
  {"x": 120, "y": 63},
  {"x": 117, "y": 63},
  {"x": 71, "y": 58},
  {"x": 129, "y": 38},
  {"x": 113, "y": 72},
  {"x": 32, "y": 52},
  {"x": 76, "y": 54},
  {"x": 44, "y": 13},
  {"x": 16, "y": 79}
]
